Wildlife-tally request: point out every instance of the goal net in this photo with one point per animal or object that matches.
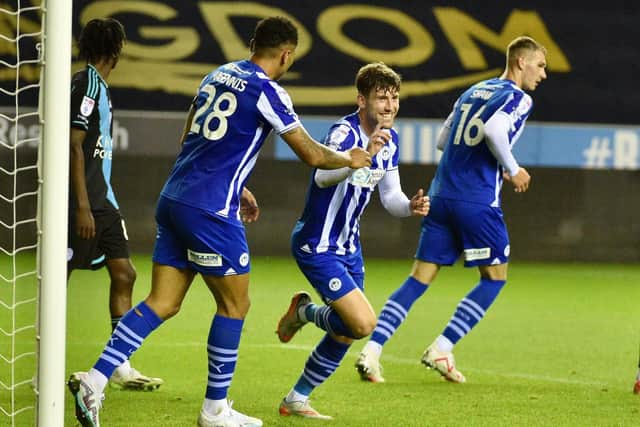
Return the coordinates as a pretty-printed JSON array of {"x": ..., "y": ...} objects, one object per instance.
[{"x": 32, "y": 224}]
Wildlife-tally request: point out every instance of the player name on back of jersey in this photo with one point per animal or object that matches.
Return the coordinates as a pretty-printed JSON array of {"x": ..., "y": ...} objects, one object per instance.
[
  {"x": 228, "y": 80},
  {"x": 482, "y": 93}
]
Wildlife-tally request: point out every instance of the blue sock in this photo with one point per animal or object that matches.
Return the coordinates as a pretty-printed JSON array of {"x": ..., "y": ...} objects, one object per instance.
[
  {"x": 127, "y": 337},
  {"x": 396, "y": 308},
  {"x": 222, "y": 348},
  {"x": 472, "y": 309},
  {"x": 322, "y": 362},
  {"x": 327, "y": 319}
]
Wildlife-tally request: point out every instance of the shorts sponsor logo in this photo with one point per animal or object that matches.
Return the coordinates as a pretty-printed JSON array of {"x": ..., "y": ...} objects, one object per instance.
[
  {"x": 244, "y": 259},
  {"x": 335, "y": 284},
  {"x": 86, "y": 108},
  {"x": 205, "y": 260},
  {"x": 476, "y": 253},
  {"x": 507, "y": 250}
]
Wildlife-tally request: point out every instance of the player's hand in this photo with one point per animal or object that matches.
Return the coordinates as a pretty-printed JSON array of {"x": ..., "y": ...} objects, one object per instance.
[
  {"x": 378, "y": 139},
  {"x": 520, "y": 180},
  {"x": 419, "y": 204},
  {"x": 249, "y": 210},
  {"x": 359, "y": 158},
  {"x": 85, "y": 223}
]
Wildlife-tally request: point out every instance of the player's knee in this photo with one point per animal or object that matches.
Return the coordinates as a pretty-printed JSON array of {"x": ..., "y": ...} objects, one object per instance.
[
  {"x": 124, "y": 278},
  {"x": 165, "y": 310},
  {"x": 364, "y": 327},
  {"x": 236, "y": 309}
]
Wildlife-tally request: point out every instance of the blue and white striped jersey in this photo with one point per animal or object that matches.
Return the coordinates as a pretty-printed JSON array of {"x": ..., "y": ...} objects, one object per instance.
[
  {"x": 468, "y": 170},
  {"x": 330, "y": 221},
  {"x": 237, "y": 106}
]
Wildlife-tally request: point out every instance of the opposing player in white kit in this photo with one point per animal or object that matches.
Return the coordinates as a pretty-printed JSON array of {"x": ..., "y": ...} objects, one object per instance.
[
  {"x": 326, "y": 242},
  {"x": 200, "y": 212},
  {"x": 465, "y": 216}
]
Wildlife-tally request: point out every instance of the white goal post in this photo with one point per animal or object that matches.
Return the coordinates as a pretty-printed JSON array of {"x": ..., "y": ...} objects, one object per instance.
[
  {"x": 54, "y": 176},
  {"x": 54, "y": 161}
]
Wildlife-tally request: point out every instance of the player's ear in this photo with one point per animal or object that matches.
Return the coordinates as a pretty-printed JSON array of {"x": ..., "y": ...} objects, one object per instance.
[
  {"x": 361, "y": 100},
  {"x": 284, "y": 56}
]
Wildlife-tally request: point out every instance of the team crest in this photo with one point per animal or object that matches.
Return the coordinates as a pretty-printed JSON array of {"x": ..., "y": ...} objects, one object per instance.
[
  {"x": 244, "y": 259},
  {"x": 335, "y": 284},
  {"x": 385, "y": 153}
]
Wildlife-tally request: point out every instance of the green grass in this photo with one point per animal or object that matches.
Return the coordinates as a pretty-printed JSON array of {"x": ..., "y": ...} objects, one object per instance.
[{"x": 558, "y": 348}]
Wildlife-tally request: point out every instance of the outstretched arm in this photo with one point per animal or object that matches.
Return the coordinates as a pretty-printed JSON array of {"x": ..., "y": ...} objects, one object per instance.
[{"x": 317, "y": 155}]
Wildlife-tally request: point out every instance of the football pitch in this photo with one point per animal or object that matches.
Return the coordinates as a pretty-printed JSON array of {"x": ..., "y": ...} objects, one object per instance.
[{"x": 558, "y": 348}]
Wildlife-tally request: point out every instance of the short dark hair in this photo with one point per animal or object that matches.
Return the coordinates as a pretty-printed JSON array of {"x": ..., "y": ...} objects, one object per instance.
[
  {"x": 376, "y": 75},
  {"x": 273, "y": 32},
  {"x": 101, "y": 39}
]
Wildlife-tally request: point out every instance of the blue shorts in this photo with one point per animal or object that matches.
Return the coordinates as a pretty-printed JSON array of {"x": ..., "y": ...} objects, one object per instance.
[
  {"x": 193, "y": 238},
  {"x": 455, "y": 227},
  {"x": 332, "y": 276}
]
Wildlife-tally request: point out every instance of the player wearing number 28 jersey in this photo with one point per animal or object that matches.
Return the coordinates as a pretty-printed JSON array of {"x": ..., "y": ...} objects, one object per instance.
[
  {"x": 200, "y": 210},
  {"x": 214, "y": 164}
]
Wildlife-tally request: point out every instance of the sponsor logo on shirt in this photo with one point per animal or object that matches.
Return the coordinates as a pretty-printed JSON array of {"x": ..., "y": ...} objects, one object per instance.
[
  {"x": 365, "y": 177},
  {"x": 205, "y": 260}
]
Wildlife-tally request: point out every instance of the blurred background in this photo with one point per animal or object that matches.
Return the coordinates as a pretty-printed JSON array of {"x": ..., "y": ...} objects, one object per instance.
[{"x": 581, "y": 145}]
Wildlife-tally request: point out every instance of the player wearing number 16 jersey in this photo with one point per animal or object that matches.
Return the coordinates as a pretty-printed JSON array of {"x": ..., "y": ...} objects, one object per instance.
[
  {"x": 465, "y": 216},
  {"x": 200, "y": 212}
]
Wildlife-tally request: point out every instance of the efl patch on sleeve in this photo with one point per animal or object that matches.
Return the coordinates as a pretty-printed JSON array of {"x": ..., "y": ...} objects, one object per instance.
[{"x": 86, "y": 108}]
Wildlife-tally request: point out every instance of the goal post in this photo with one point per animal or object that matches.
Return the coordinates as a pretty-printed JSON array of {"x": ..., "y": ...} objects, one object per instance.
[{"x": 54, "y": 176}]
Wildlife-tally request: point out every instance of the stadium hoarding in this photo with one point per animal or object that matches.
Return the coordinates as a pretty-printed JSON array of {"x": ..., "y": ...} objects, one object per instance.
[
  {"x": 439, "y": 47},
  {"x": 156, "y": 134},
  {"x": 541, "y": 144}
]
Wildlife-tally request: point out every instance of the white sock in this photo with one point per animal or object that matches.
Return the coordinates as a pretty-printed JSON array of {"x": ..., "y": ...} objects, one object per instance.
[
  {"x": 294, "y": 396},
  {"x": 638, "y": 376},
  {"x": 444, "y": 344},
  {"x": 124, "y": 368},
  {"x": 214, "y": 407},
  {"x": 301, "y": 313},
  {"x": 98, "y": 380},
  {"x": 372, "y": 347}
]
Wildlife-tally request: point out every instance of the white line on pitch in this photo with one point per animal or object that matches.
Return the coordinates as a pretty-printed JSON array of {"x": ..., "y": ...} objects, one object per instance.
[{"x": 398, "y": 360}]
